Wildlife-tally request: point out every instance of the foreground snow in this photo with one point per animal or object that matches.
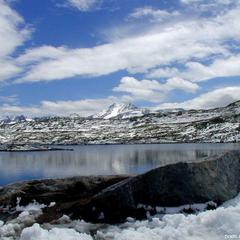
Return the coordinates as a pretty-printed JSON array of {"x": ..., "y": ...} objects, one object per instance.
[
  {"x": 222, "y": 223},
  {"x": 37, "y": 233}
]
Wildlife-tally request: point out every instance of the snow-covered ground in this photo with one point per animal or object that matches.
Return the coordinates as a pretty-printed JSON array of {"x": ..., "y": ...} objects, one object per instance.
[
  {"x": 127, "y": 124},
  {"x": 222, "y": 223}
]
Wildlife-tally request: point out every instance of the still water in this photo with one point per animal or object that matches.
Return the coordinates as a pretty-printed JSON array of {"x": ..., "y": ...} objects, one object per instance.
[{"x": 101, "y": 159}]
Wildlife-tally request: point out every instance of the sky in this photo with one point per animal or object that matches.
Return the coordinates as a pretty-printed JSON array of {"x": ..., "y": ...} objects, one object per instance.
[{"x": 59, "y": 57}]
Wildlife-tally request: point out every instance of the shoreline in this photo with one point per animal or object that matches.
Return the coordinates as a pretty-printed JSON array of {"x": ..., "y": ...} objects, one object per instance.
[{"x": 55, "y": 148}]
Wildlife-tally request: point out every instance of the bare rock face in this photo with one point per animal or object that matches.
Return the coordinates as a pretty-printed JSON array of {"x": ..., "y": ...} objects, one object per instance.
[{"x": 216, "y": 179}]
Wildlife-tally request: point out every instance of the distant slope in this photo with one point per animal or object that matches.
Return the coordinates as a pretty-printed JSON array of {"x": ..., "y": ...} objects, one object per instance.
[{"x": 129, "y": 124}]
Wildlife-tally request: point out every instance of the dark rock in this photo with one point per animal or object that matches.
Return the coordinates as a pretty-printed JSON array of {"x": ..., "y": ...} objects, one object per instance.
[
  {"x": 110, "y": 199},
  {"x": 188, "y": 210},
  {"x": 65, "y": 192},
  {"x": 216, "y": 179}
]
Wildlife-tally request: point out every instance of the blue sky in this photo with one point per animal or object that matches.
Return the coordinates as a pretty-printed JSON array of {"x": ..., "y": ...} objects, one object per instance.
[{"x": 79, "y": 56}]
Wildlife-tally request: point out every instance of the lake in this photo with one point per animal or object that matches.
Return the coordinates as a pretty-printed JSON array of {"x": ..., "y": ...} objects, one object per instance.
[{"x": 101, "y": 160}]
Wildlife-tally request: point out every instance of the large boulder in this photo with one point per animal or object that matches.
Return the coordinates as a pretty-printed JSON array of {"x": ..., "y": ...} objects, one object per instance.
[
  {"x": 215, "y": 179},
  {"x": 65, "y": 192},
  {"x": 113, "y": 198}
]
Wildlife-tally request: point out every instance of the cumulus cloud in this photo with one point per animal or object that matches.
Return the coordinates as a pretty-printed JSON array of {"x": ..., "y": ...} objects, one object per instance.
[
  {"x": 179, "y": 83},
  {"x": 153, "y": 90},
  {"x": 216, "y": 98},
  {"x": 82, "y": 5}
]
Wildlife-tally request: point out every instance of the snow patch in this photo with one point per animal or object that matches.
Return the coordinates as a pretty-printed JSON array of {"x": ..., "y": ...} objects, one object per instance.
[
  {"x": 211, "y": 225},
  {"x": 37, "y": 233}
]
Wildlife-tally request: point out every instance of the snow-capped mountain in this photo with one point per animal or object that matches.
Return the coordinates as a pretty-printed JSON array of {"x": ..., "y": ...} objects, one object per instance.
[
  {"x": 121, "y": 124},
  {"x": 121, "y": 111},
  {"x": 14, "y": 119}
]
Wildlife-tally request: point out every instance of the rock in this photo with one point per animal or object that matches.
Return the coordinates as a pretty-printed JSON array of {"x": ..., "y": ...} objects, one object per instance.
[
  {"x": 65, "y": 192},
  {"x": 216, "y": 179},
  {"x": 111, "y": 199}
]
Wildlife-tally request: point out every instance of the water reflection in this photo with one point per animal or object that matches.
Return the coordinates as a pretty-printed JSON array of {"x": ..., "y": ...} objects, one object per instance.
[{"x": 97, "y": 160}]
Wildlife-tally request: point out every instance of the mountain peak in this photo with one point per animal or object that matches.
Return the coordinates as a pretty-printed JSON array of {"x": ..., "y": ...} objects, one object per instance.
[{"x": 117, "y": 109}]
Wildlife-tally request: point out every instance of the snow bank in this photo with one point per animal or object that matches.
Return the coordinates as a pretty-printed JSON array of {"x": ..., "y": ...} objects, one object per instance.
[
  {"x": 37, "y": 233},
  {"x": 27, "y": 217},
  {"x": 216, "y": 224},
  {"x": 222, "y": 223}
]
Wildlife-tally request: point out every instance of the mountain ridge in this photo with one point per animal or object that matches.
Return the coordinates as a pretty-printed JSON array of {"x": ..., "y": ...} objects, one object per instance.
[
  {"x": 115, "y": 110},
  {"x": 186, "y": 126}
]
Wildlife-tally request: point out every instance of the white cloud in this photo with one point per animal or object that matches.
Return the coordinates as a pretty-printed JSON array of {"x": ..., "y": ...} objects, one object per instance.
[
  {"x": 8, "y": 69},
  {"x": 149, "y": 90},
  {"x": 190, "y": 1},
  {"x": 84, "y": 107},
  {"x": 209, "y": 7},
  {"x": 225, "y": 2},
  {"x": 155, "y": 14},
  {"x": 195, "y": 71},
  {"x": 12, "y": 30},
  {"x": 179, "y": 83},
  {"x": 13, "y": 33},
  {"x": 181, "y": 42},
  {"x": 11, "y": 99},
  {"x": 152, "y": 90},
  {"x": 207, "y": 4},
  {"x": 41, "y": 53},
  {"x": 216, "y": 98},
  {"x": 82, "y": 5}
]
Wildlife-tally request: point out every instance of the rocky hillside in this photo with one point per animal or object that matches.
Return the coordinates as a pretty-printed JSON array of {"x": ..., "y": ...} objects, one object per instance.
[{"x": 128, "y": 124}]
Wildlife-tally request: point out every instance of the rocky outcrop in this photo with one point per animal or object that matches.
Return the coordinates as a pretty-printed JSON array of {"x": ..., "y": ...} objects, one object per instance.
[
  {"x": 113, "y": 198},
  {"x": 216, "y": 179},
  {"x": 65, "y": 192}
]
